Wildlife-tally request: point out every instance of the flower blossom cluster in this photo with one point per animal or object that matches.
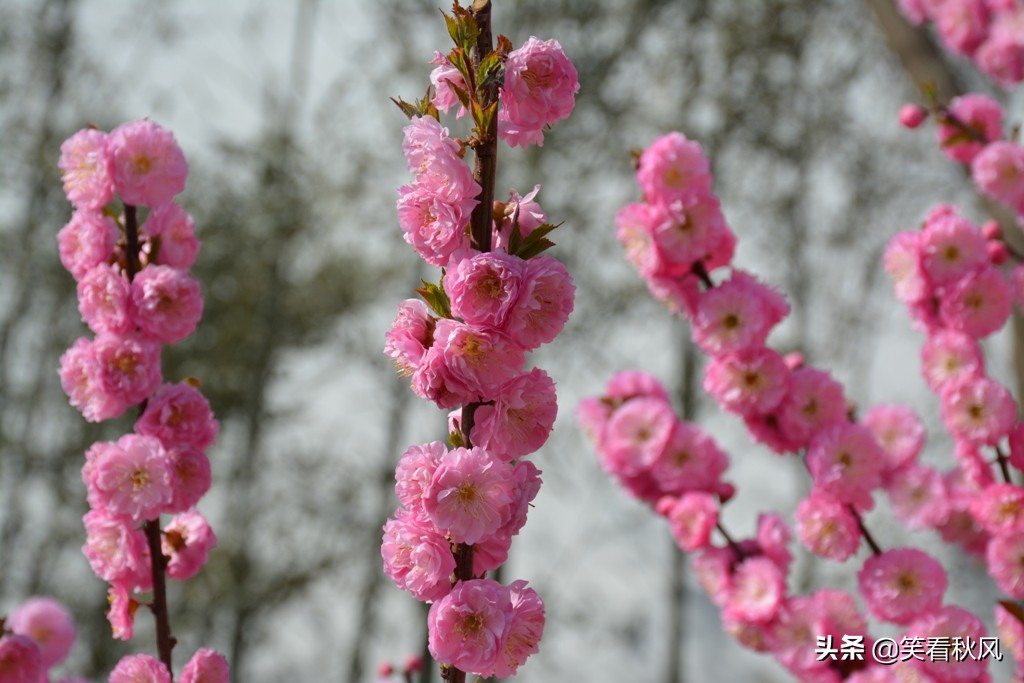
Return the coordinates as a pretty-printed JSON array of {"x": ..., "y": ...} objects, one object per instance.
[
  {"x": 135, "y": 294},
  {"x": 464, "y": 348},
  {"x": 971, "y": 132},
  {"x": 35, "y": 638},
  {"x": 792, "y": 408},
  {"x": 956, "y": 293},
  {"x": 988, "y": 32}
]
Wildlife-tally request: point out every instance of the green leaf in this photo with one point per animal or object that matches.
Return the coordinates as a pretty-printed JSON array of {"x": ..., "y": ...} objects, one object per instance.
[
  {"x": 455, "y": 440},
  {"x": 958, "y": 138},
  {"x": 485, "y": 119},
  {"x": 462, "y": 27},
  {"x": 535, "y": 248},
  {"x": 408, "y": 109},
  {"x": 490, "y": 70},
  {"x": 461, "y": 60},
  {"x": 504, "y": 45},
  {"x": 461, "y": 94},
  {"x": 535, "y": 243},
  {"x": 422, "y": 107},
  {"x": 436, "y": 298}
]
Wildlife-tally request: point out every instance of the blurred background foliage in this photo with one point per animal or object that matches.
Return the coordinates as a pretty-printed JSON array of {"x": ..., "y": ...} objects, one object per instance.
[{"x": 283, "y": 112}]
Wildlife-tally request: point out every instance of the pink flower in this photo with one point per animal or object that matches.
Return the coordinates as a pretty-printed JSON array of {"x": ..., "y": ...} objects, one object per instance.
[
  {"x": 128, "y": 368},
  {"x": 470, "y": 494},
  {"x": 434, "y": 220},
  {"x": 949, "y": 357},
  {"x": 140, "y": 669},
  {"x": 429, "y": 149},
  {"x": 545, "y": 302},
  {"x": 1011, "y": 633},
  {"x": 915, "y": 11},
  {"x": 521, "y": 418},
  {"x": 86, "y": 241},
  {"x": 962, "y": 25},
  {"x": 415, "y": 471},
  {"x": 116, "y": 549},
  {"x": 121, "y": 614},
  {"x": 758, "y": 588},
  {"x": 477, "y": 360},
  {"x": 190, "y": 477},
  {"x": 491, "y": 553},
  {"x": 900, "y": 433},
  {"x": 523, "y": 631},
  {"x": 689, "y": 461},
  {"x": 178, "y": 415},
  {"x": 149, "y": 167},
  {"x": 773, "y": 537},
  {"x": 167, "y": 303},
  {"x": 749, "y": 382},
  {"x": 49, "y": 624},
  {"x": 1001, "y": 57},
  {"x": 634, "y": 228},
  {"x": 901, "y": 585},
  {"x": 673, "y": 169},
  {"x": 526, "y": 484},
  {"x": 951, "y": 247},
  {"x": 443, "y": 78},
  {"x": 982, "y": 115},
  {"x": 737, "y": 315},
  {"x": 688, "y": 231},
  {"x": 187, "y": 540},
  {"x": 417, "y": 557},
  {"x": 467, "y": 627},
  {"x": 845, "y": 461},
  {"x": 206, "y": 666},
  {"x": 85, "y": 166},
  {"x": 978, "y": 411},
  {"x": 172, "y": 228},
  {"x": 20, "y": 660},
  {"x": 691, "y": 518},
  {"x": 103, "y": 295},
  {"x": 636, "y": 435},
  {"x": 827, "y": 527},
  {"x": 999, "y": 509},
  {"x": 903, "y": 263},
  {"x": 999, "y": 171},
  {"x": 539, "y": 90},
  {"x": 951, "y": 624},
  {"x": 912, "y": 116},
  {"x": 979, "y": 304},
  {"x": 792, "y": 635},
  {"x": 410, "y": 336},
  {"x": 483, "y": 288},
  {"x": 1005, "y": 556},
  {"x": 712, "y": 567},
  {"x": 814, "y": 402},
  {"x": 130, "y": 478},
  {"x": 630, "y": 384},
  {"x": 525, "y": 212},
  {"x": 918, "y": 496},
  {"x": 80, "y": 378}
]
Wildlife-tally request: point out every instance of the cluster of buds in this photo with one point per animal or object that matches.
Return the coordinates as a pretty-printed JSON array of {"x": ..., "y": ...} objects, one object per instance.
[
  {"x": 135, "y": 294},
  {"x": 988, "y": 32},
  {"x": 464, "y": 345}
]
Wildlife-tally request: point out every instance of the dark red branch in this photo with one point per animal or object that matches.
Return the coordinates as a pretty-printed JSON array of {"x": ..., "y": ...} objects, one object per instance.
[
  {"x": 864, "y": 531},
  {"x": 164, "y": 641}
]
